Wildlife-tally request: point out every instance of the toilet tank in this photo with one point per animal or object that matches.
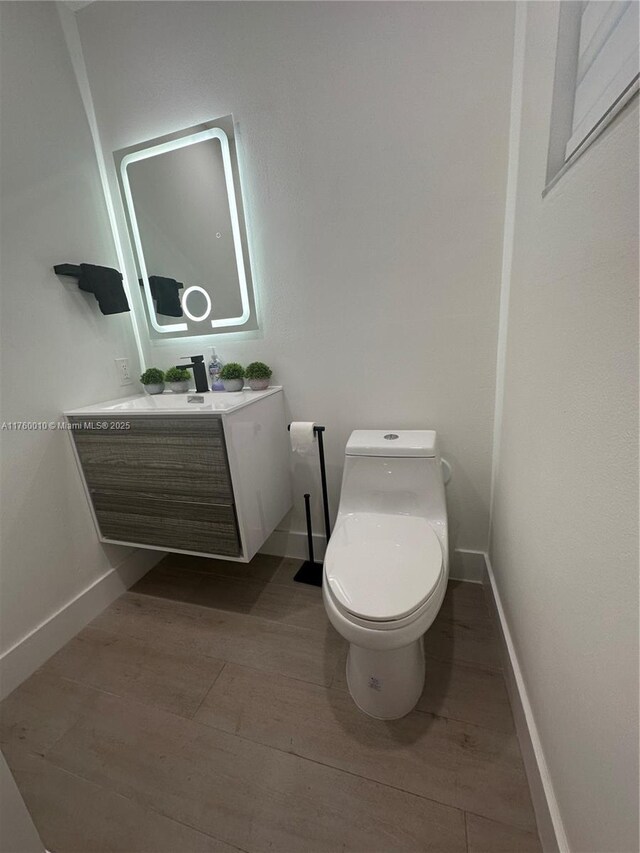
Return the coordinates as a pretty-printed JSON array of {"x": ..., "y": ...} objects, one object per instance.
[{"x": 400, "y": 475}]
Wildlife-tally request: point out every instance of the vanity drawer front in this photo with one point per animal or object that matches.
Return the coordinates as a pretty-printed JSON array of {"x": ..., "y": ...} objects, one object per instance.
[
  {"x": 151, "y": 520},
  {"x": 177, "y": 456},
  {"x": 177, "y": 426}
]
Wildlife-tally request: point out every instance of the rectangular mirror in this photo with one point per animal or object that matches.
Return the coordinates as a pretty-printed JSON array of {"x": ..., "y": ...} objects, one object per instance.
[{"x": 184, "y": 212}]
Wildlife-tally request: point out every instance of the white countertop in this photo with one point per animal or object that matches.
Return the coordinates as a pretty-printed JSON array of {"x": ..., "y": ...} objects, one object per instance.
[{"x": 169, "y": 403}]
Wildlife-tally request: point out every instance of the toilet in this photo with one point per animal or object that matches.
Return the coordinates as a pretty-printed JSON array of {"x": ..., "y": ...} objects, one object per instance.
[{"x": 387, "y": 564}]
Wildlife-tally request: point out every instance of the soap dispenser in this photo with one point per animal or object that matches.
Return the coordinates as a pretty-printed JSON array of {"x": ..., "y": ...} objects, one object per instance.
[{"x": 215, "y": 366}]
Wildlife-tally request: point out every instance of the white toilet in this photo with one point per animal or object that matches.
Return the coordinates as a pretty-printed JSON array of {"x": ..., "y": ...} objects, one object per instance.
[{"x": 387, "y": 564}]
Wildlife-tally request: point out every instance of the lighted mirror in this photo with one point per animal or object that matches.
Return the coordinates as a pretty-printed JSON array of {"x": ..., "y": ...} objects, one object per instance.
[{"x": 184, "y": 212}]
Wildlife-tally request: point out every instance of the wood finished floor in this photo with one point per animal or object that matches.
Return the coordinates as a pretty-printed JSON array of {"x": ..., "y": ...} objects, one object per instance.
[{"x": 207, "y": 710}]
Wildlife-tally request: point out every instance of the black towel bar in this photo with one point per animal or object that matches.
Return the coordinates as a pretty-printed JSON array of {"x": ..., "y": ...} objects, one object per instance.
[
  {"x": 104, "y": 283},
  {"x": 68, "y": 269},
  {"x": 141, "y": 283}
]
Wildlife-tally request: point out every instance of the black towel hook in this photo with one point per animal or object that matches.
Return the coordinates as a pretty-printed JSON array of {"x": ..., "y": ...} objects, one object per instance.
[{"x": 68, "y": 269}]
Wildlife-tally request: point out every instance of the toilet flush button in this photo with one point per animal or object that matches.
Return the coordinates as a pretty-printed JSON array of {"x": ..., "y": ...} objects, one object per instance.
[{"x": 391, "y": 435}]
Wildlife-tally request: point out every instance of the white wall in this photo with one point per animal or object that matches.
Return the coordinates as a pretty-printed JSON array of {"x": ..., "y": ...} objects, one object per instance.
[
  {"x": 372, "y": 142},
  {"x": 57, "y": 348},
  {"x": 565, "y": 517},
  {"x": 19, "y": 833}
]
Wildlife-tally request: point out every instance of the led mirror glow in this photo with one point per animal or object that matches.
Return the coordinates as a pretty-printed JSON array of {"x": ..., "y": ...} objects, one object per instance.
[{"x": 181, "y": 212}]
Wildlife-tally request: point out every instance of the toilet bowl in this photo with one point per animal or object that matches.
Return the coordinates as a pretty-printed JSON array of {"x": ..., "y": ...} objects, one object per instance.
[{"x": 387, "y": 564}]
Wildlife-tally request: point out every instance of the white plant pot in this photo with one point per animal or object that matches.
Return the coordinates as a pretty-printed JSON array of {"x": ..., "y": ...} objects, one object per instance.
[
  {"x": 258, "y": 384},
  {"x": 154, "y": 388},
  {"x": 233, "y": 384},
  {"x": 179, "y": 387}
]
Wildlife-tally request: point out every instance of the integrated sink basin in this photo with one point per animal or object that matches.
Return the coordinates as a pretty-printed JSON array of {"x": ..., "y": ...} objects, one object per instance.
[{"x": 221, "y": 402}]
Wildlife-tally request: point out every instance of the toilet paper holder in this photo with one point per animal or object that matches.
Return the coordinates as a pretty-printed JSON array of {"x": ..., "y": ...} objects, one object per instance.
[{"x": 311, "y": 572}]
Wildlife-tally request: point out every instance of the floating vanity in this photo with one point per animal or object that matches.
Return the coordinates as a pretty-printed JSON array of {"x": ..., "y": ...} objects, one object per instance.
[{"x": 199, "y": 474}]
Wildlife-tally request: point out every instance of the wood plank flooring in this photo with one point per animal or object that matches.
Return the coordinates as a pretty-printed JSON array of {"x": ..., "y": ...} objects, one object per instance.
[{"x": 207, "y": 710}]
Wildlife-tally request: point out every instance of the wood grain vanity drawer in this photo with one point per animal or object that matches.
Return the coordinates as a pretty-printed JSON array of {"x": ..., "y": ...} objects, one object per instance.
[
  {"x": 151, "y": 520},
  {"x": 176, "y": 426},
  {"x": 167, "y": 456}
]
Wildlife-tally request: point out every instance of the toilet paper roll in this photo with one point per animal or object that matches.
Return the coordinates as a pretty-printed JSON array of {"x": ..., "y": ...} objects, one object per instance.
[{"x": 302, "y": 436}]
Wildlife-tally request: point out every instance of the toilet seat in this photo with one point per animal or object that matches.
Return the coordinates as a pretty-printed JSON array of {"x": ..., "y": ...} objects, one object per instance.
[{"x": 382, "y": 567}]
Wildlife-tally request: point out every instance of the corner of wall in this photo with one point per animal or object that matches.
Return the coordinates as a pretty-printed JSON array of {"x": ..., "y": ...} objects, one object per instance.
[
  {"x": 550, "y": 826},
  {"x": 515, "y": 121}
]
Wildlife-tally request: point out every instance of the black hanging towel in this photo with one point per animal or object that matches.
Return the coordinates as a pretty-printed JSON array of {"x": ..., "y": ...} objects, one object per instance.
[
  {"x": 165, "y": 292},
  {"x": 106, "y": 285}
]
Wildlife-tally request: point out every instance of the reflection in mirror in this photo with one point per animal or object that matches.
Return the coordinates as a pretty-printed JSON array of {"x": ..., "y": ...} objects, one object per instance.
[{"x": 184, "y": 212}]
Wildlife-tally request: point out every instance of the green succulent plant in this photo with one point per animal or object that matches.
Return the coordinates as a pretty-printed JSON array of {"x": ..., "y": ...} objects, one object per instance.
[
  {"x": 258, "y": 370},
  {"x": 233, "y": 370},
  {"x": 152, "y": 376},
  {"x": 177, "y": 374}
]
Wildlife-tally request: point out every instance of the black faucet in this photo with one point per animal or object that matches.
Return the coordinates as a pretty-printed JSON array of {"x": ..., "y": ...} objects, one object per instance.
[{"x": 199, "y": 371}]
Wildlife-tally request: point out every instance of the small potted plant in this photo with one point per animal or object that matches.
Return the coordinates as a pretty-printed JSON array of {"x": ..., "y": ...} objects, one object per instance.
[
  {"x": 232, "y": 376},
  {"x": 177, "y": 378},
  {"x": 153, "y": 381},
  {"x": 258, "y": 375}
]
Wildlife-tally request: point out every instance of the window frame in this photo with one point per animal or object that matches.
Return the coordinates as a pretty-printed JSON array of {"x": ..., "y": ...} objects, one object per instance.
[{"x": 564, "y": 87}]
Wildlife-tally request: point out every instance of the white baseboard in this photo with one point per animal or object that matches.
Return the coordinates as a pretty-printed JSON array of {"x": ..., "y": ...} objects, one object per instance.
[
  {"x": 465, "y": 565},
  {"x": 23, "y": 658},
  {"x": 293, "y": 543},
  {"x": 550, "y": 826}
]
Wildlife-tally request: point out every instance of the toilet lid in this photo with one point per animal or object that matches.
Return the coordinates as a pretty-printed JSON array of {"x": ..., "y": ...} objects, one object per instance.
[{"x": 382, "y": 567}]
